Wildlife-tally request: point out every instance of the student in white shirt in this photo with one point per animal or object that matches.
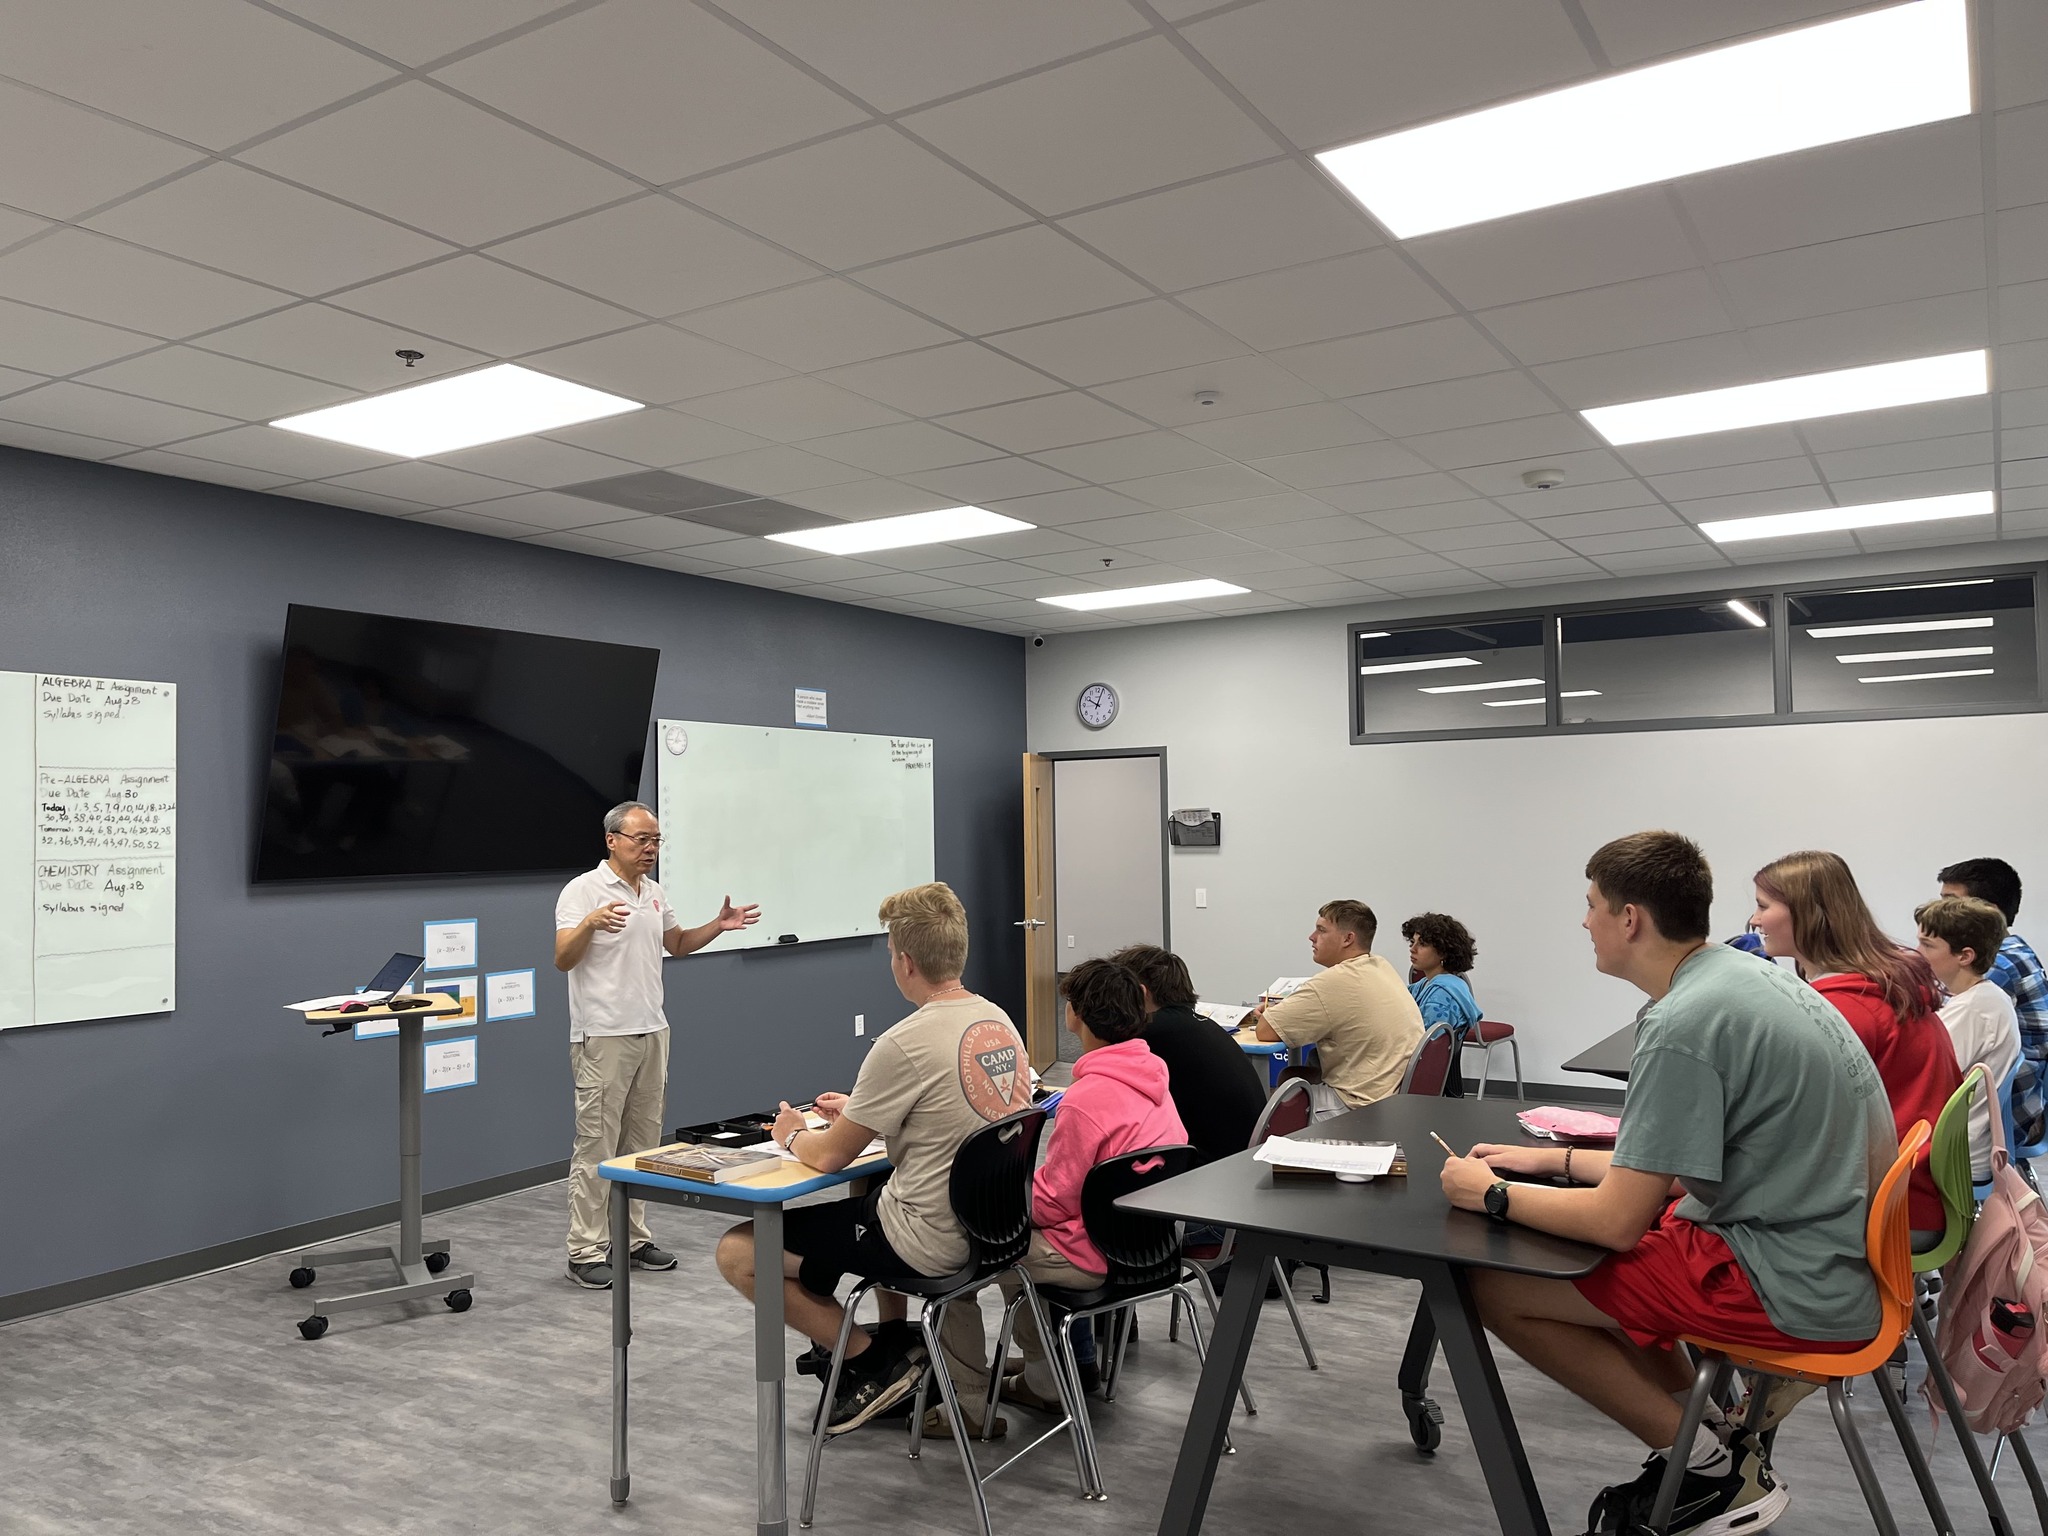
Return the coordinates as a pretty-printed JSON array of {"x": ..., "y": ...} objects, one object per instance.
[{"x": 1960, "y": 936}]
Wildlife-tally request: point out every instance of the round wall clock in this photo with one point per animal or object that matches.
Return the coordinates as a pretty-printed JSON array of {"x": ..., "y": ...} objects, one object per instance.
[
  {"x": 1097, "y": 705},
  {"x": 677, "y": 740}
]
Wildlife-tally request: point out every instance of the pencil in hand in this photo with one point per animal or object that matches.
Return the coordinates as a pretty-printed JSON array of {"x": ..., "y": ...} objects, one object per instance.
[{"x": 1442, "y": 1143}]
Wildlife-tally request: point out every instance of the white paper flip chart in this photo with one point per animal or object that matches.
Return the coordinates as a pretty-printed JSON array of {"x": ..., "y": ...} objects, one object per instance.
[{"x": 88, "y": 847}]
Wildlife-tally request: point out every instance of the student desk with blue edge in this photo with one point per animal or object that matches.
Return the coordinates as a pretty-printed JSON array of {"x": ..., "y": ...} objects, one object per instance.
[
  {"x": 1400, "y": 1226},
  {"x": 1275, "y": 1052},
  {"x": 761, "y": 1199}
]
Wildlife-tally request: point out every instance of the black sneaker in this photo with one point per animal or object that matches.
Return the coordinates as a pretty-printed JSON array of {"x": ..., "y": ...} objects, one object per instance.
[
  {"x": 815, "y": 1361},
  {"x": 594, "y": 1276},
  {"x": 1745, "y": 1499},
  {"x": 876, "y": 1379},
  {"x": 647, "y": 1256}
]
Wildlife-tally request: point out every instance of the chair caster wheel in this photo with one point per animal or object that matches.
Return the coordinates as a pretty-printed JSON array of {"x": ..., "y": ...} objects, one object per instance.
[
  {"x": 312, "y": 1327},
  {"x": 1425, "y": 1424},
  {"x": 436, "y": 1262},
  {"x": 301, "y": 1278},
  {"x": 458, "y": 1301}
]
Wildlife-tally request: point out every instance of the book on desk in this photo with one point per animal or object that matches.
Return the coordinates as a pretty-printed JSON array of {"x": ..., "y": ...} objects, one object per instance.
[{"x": 705, "y": 1164}]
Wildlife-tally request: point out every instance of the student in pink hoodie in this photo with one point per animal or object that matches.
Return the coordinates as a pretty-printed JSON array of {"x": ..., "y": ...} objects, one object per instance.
[{"x": 1119, "y": 1102}]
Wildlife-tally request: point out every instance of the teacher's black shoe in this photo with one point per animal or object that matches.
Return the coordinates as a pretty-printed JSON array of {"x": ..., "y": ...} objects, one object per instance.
[
  {"x": 647, "y": 1256},
  {"x": 594, "y": 1276}
]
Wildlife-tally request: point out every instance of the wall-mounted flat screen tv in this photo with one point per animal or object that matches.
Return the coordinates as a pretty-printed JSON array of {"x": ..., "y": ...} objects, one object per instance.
[{"x": 410, "y": 747}]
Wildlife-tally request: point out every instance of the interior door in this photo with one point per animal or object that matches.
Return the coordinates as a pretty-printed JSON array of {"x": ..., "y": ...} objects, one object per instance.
[{"x": 1041, "y": 996}]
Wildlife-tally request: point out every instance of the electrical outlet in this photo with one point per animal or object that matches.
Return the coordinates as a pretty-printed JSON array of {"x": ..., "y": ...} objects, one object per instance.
[
  {"x": 860, "y": 1024},
  {"x": 1201, "y": 895}
]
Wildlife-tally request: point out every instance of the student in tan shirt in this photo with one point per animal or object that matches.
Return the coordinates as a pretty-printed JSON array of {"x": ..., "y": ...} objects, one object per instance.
[{"x": 1356, "y": 1011}]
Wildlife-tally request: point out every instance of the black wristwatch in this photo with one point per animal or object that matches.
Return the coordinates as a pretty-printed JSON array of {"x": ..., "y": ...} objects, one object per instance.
[{"x": 1497, "y": 1199}]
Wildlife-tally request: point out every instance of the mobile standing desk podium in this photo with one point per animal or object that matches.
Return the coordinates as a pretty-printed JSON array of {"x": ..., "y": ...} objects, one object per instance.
[{"x": 421, "y": 1262}]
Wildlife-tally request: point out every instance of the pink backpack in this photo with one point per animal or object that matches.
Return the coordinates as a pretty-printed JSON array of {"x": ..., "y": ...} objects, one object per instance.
[{"x": 1993, "y": 1332}]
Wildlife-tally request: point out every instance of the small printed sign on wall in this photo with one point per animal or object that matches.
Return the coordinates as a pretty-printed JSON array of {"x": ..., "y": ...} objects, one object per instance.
[
  {"x": 810, "y": 707},
  {"x": 463, "y": 989},
  {"x": 450, "y": 946},
  {"x": 451, "y": 1064},
  {"x": 508, "y": 995}
]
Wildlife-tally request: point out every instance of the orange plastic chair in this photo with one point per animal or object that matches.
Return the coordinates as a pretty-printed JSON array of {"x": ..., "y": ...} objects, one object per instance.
[{"x": 1890, "y": 1246}]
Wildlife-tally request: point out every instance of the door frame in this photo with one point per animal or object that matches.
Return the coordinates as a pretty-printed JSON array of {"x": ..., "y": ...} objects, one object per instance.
[{"x": 1165, "y": 845}]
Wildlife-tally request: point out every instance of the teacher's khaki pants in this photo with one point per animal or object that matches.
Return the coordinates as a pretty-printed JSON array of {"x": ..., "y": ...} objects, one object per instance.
[{"x": 621, "y": 1088}]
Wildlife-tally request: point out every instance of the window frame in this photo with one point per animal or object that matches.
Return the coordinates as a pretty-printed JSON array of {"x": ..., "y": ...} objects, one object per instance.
[{"x": 1779, "y": 593}]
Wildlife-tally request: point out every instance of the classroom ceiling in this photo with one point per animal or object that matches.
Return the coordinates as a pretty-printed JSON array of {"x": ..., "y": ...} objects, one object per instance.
[{"x": 886, "y": 257}]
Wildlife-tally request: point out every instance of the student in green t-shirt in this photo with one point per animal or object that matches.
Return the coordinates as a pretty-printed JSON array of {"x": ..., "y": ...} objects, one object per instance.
[{"x": 1751, "y": 1099}]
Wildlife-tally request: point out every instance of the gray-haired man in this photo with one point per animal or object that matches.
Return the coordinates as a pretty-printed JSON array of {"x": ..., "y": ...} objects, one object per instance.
[{"x": 612, "y": 925}]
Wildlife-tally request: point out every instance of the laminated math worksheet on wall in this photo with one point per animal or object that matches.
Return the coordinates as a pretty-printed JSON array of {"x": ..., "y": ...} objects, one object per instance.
[{"x": 88, "y": 847}]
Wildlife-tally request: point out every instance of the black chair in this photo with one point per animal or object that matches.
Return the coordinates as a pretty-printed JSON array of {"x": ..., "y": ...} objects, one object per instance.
[
  {"x": 1145, "y": 1263},
  {"x": 990, "y": 1190}
]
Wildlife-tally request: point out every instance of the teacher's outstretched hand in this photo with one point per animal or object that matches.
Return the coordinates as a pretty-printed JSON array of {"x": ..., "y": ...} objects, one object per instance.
[{"x": 731, "y": 918}]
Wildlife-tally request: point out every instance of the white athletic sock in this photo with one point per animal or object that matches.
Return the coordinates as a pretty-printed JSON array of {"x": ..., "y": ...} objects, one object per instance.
[{"x": 1709, "y": 1455}]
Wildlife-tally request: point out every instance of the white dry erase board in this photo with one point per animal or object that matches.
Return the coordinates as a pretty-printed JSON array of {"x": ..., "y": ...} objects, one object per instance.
[
  {"x": 816, "y": 826},
  {"x": 88, "y": 848}
]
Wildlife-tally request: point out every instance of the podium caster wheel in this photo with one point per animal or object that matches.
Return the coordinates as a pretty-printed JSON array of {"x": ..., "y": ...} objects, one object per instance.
[
  {"x": 312, "y": 1327},
  {"x": 301, "y": 1278},
  {"x": 1425, "y": 1424},
  {"x": 458, "y": 1301},
  {"x": 436, "y": 1262}
]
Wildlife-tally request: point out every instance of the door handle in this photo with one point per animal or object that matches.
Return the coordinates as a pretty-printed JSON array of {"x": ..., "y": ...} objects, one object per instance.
[{"x": 1029, "y": 922}]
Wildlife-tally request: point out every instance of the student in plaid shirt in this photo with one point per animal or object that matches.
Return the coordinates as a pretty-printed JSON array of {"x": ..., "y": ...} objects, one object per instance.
[{"x": 2017, "y": 971}]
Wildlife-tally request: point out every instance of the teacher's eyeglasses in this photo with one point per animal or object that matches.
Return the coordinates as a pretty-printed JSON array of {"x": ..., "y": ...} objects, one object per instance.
[{"x": 644, "y": 839}]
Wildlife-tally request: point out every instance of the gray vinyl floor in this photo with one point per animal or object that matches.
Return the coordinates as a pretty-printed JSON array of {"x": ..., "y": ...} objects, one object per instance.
[{"x": 196, "y": 1407}]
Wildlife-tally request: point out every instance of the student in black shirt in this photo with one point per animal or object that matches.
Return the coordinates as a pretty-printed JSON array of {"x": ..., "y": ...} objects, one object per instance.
[{"x": 1215, "y": 1087}]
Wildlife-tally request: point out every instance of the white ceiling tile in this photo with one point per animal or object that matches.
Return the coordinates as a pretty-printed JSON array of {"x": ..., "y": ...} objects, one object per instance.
[
  {"x": 418, "y": 34},
  {"x": 14, "y": 380},
  {"x": 161, "y": 461},
  {"x": 484, "y": 178},
  {"x": 1326, "y": 593},
  {"x": 433, "y": 485},
  {"x": 102, "y": 279},
  {"x": 285, "y": 453},
  {"x": 2023, "y": 407},
  {"x": 867, "y": 498},
  {"x": 1242, "y": 385},
  {"x": 1410, "y": 354},
  {"x": 332, "y": 344},
  {"x": 1192, "y": 550},
  {"x": 898, "y": 584},
  {"x": 660, "y": 90},
  {"x": 102, "y": 413},
  {"x": 2019, "y": 156},
  {"x": 773, "y": 470},
  {"x": 654, "y": 255},
  {"x": 2019, "y": 64},
  {"x": 1540, "y": 572},
  {"x": 1635, "y": 30},
  {"x": 16, "y": 226},
  {"x": 694, "y": 563},
  {"x": 1229, "y": 226},
  {"x": 547, "y": 509},
  {"x": 1926, "y": 482},
  {"x": 1343, "y": 466},
  {"x": 1673, "y": 537},
  {"x": 208, "y": 382},
  {"x": 1477, "y": 543},
  {"x": 1735, "y": 479},
  {"x": 958, "y": 376},
  {"x": 1265, "y": 569},
  {"x": 827, "y": 568},
  {"x": 1050, "y": 421},
  {"x": 1329, "y": 71},
  {"x": 482, "y": 304},
  {"x": 1714, "y": 450},
  {"x": 901, "y": 448},
  {"x": 1375, "y": 496},
  {"x": 1366, "y": 291},
  {"x": 1059, "y": 508},
  {"x": 1646, "y": 373},
  {"x": 1004, "y": 281},
  {"x": 1268, "y": 434},
  {"x": 995, "y": 480},
  {"x": 1633, "y": 522},
  {"x": 1586, "y": 244},
  {"x": 46, "y": 342},
  {"x": 1407, "y": 521},
  {"x": 1201, "y": 487},
  {"x": 537, "y": 461},
  {"x": 857, "y": 198},
  {"x": 362, "y": 501},
  {"x": 468, "y": 520},
  {"x": 815, "y": 325},
  {"x": 1650, "y": 562},
  {"x": 1130, "y": 530},
  {"x": 1952, "y": 322},
  {"x": 1769, "y": 551},
  {"x": 1870, "y": 429},
  {"x": 1920, "y": 176},
  {"x": 1120, "y": 343},
  {"x": 2022, "y": 311},
  {"x": 1671, "y": 307},
  {"x": 1452, "y": 403},
  {"x": 1505, "y": 479},
  {"x": 1127, "y": 120},
  {"x": 227, "y": 216},
  {"x": 58, "y": 159},
  {"x": 656, "y": 364},
  {"x": 72, "y": 445},
  {"x": 662, "y": 533},
  {"x": 894, "y": 54},
  {"x": 789, "y": 410},
  {"x": 1257, "y": 513},
  {"x": 1402, "y": 569},
  {"x": 1972, "y": 450},
  {"x": 212, "y": 71},
  {"x": 1126, "y": 458},
  {"x": 2023, "y": 244},
  {"x": 583, "y": 544},
  {"x": 1856, "y": 273},
  {"x": 1312, "y": 534}
]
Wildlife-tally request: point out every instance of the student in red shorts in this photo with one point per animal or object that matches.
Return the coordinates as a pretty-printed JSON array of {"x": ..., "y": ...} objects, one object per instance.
[{"x": 1749, "y": 1097}]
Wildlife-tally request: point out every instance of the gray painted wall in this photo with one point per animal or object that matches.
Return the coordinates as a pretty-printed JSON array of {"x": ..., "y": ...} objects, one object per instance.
[{"x": 129, "y": 1140}]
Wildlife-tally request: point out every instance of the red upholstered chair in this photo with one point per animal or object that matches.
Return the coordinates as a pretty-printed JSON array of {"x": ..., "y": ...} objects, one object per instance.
[{"x": 1487, "y": 1035}]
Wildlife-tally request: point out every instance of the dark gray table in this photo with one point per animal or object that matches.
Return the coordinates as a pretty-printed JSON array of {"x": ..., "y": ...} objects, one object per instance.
[
  {"x": 1610, "y": 1057},
  {"x": 1392, "y": 1226}
]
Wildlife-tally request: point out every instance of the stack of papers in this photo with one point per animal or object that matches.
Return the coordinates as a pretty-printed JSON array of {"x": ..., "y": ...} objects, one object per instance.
[
  {"x": 321, "y": 1004},
  {"x": 1285, "y": 986},
  {"x": 1356, "y": 1159},
  {"x": 1576, "y": 1125},
  {"x": 1229, "y": 1015}
]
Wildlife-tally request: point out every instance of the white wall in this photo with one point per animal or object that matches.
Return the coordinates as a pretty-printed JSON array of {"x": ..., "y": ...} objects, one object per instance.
[{"x": 1253, "y": 713}]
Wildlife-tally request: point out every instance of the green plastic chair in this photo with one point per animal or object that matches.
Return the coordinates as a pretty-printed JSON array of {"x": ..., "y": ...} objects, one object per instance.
[{"x": 1949, "y": 1160}]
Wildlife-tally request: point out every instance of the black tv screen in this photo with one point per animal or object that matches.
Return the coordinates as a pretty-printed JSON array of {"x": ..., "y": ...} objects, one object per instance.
[{"x": 408, "y": 747}]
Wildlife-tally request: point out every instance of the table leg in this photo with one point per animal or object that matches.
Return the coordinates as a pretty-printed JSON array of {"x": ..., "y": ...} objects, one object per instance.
[
  {"x": 1425, "y": 1418},
  {"x": 1187, "y": 1498},
  {"x": 1448, "y": 1290},
  {"x": 770, "y": 1419},
  {"x": 622, "y": 1333},
  {"x": 412, "y": 1075}
]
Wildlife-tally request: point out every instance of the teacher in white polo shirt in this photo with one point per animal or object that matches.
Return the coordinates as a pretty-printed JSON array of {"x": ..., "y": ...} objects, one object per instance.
[{"x": 612, "y": 926}]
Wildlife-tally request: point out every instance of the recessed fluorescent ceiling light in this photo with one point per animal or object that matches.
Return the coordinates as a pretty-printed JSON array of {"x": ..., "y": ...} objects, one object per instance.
[
  {"x": 941, "y": 527},
  {"x": 1911, "y": 381},
  {"x": 487, "y": 406},
  {"x": 1418, "y": 666},
  {"x": 1825, "y": 84},
  {"x": 1934, "y": 655},
  {"x": 1747, "y": 614},
  {"x": 1132, "y": 597},
  {"x": 1876, "y": 514},
  {"x": 1576, "y": 693},
  {"x": 1923, "y": 677},
  {"x": 1509, "y": 682},
  {"x": 1909, "y": 627},
  {"x": 1927, "y": 586}
]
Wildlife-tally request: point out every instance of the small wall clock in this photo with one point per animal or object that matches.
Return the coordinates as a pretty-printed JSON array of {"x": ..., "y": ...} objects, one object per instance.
[{"x": 1097, "y": 705}]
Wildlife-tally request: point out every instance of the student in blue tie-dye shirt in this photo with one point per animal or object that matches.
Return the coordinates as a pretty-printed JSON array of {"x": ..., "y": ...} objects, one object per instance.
[
  {"x": 1440, "y": 952},
  {"x": 2016, "y": 972}
]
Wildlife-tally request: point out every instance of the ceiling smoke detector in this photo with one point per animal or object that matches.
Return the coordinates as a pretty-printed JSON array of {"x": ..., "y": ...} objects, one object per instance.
[
  {"x": 1543, "y": 479},
  {"x": 1207, "y": 397}
]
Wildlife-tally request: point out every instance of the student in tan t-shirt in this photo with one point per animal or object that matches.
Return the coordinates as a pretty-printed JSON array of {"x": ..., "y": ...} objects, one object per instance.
[
  {"x": 1356, "y": 1011},
  {"x": 931, "y": 1081}
]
